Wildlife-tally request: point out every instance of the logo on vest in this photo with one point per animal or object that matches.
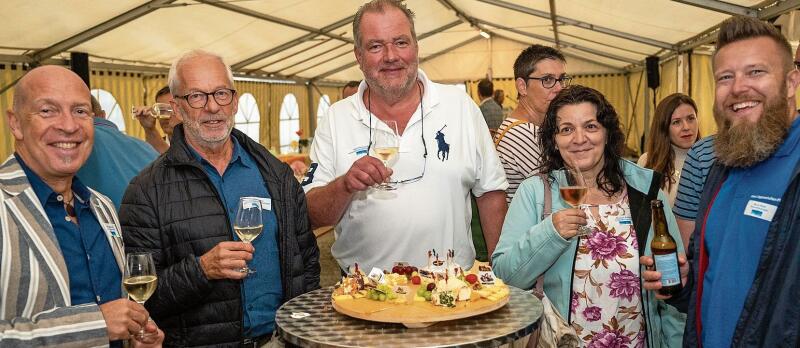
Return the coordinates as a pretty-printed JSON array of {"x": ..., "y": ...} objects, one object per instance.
[{"x": 444, "y": 147}]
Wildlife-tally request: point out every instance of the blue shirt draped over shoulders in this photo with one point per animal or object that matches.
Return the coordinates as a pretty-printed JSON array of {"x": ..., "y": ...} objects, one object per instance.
[{"x": 262, "y": 292}]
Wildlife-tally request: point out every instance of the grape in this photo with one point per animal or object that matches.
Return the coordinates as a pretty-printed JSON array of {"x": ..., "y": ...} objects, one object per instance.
[
  {"x": 381, "y": 297},
  {"x": 427, "y": 295}
]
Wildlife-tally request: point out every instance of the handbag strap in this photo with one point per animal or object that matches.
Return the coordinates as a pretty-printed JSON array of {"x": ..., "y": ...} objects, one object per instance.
[
  {"x": 502, "y": 133},
  {"x": 547, "y": 211}
]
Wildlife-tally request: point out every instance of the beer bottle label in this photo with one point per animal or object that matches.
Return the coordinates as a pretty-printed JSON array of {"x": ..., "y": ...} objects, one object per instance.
[{"x": 667, "y": 264}]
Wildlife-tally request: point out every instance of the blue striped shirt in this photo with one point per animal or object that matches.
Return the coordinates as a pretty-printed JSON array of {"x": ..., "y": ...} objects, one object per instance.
[{"x": 698, "y": 163}]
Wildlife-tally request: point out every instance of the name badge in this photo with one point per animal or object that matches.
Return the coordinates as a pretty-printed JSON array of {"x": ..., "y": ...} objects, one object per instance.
[
  {"x": 266, "y": 203},
  {"x": 625, "y": 220},
  {"x": 760, "y": 210},
  {"x": 112, "y": 229}
]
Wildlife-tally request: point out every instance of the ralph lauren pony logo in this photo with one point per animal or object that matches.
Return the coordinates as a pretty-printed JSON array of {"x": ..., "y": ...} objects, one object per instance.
[{"x": 444, "y": 147}]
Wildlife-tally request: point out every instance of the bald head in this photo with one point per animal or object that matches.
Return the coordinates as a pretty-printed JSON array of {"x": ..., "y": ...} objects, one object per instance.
[
  {"x": 47, "y": 72},
  {"x": 51, "y": 122}
]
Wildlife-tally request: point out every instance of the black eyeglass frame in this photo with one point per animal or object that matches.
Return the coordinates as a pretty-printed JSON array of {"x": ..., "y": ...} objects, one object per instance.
[
  {"x": 206, "y": 94},
  {"x": 563, "y": 80},
  {"x": 422, "y": 136}
]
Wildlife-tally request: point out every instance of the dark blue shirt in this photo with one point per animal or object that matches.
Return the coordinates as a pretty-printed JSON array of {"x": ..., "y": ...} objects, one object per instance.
[
  {"x": 735, "y": 232},
  {"x": 94, "y": 275},
  {"x": 262, "y": 292}
]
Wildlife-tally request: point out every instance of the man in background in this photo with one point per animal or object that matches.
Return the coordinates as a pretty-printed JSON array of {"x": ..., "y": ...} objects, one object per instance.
[
  {"x": 148, "y": 122},
  {"x": 350, "y": 88},
  {"x": 116, "y": 158},
  {"x": 491, "y": 110}
]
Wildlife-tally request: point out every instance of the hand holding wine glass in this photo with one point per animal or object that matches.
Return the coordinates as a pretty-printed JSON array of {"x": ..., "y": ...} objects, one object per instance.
[
  {"x": 140, "y": 279},
  {"x": 248, "y": 224},
  {"x": 573, "y": 190},
  {"x": 386, "y": 147}
]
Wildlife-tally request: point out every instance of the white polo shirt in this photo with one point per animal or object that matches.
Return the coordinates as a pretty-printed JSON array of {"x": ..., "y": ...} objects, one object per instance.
[{"x": 381, "y": 227}]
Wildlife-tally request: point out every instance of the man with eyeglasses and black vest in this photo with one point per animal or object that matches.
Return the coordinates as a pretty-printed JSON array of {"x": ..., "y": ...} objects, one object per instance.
[
  {"x": 182, "y": 209},
  {"x": 445, "y": 152}
]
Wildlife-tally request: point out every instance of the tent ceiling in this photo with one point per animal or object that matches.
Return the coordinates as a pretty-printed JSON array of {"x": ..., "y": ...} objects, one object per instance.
[{"x": 312, "y": 39}]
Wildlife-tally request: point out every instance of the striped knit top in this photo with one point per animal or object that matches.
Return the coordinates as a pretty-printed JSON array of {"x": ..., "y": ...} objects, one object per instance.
[{"x": 520, "y": 153}]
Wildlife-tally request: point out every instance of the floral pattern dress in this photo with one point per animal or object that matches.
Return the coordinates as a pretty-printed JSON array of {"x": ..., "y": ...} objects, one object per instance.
[{"x": 606, "y": 307}]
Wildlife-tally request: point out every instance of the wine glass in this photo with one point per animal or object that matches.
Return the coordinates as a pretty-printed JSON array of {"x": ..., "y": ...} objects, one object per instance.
[
  {"x": 573, "y": 190},
  {"x": 159, "y": 111},
  {"x": 140, "y": 279},
  {"x": 248, "y": 223},
  {"x": 385, "y": 147}
]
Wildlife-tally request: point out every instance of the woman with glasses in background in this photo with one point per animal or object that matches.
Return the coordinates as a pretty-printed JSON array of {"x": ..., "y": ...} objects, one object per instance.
[
  {"x": 540, "y": 73},
  {"x": 593, "y": 281}
]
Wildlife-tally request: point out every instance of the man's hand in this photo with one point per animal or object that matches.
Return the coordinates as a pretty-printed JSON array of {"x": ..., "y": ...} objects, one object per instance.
[
  {"x": 142, "y": 113},
  {"x": 652, "y": 279},
  {"x": 226, "y": 259},
  {"x": 153, "y": 338},
  {"x": 123, "y": 318},
  {"x": 364, "y": 173},
  {"x": 567, "y": 221}
]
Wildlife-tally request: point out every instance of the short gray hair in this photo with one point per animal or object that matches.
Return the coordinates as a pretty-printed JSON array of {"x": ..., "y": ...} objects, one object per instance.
[
  {"x": 174, "y": 82},
  {"x": 380, "y": 6}
]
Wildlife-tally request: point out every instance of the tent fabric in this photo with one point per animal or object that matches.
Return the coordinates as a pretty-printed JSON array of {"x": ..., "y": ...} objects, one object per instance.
[{"x": 311, "y": 41}]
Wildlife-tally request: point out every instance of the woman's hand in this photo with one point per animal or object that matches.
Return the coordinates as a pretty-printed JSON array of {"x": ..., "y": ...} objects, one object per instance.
[{"x": 567, "y": 221}]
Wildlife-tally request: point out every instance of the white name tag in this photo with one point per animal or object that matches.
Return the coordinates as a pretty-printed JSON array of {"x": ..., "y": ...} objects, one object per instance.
[
  {"x": 760, "y": 210},
  {"x": 266, "y": 203},
  {"x": 112, "y": 229}
]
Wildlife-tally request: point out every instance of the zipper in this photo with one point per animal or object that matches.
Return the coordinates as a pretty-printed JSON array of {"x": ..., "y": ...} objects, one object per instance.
[
  {"x": 571, "y": 279},
  {"x": 230, "y": 236}
]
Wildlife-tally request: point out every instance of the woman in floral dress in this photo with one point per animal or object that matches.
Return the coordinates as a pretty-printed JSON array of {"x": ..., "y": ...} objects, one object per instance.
[{"x": 594, "y": 280}]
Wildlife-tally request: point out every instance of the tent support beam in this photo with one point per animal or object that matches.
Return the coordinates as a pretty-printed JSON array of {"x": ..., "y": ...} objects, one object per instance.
[
  {"x": 618, "y": 69},
  {"x": 778, "y": 8},
  {"x": 98, "y": 30},
  {"x": 313, "y": 57},
  {"x": 721, "y": 6},
  {"x": 564, "y": 44},
  {"x": 554, "y": 22},
  {"x": 278, "y": 60},
  {"x": 580, "y": 24},
  {"x": 289, "y": 44},
  {"x": 450, "y": 49},
  {"x": 273, "y": 19},
  {"x": 354, "y": 63}
]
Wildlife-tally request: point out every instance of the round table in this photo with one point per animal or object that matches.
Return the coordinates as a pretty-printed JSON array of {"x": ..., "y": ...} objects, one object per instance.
[{"x": 324, "y": 327}]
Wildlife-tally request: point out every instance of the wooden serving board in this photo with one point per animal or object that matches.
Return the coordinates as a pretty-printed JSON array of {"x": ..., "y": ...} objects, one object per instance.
[{"x": 415, "y": 314}]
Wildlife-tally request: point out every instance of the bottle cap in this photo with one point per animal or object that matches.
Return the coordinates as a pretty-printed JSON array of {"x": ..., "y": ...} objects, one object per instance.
[{"x": 656, "y": 203}]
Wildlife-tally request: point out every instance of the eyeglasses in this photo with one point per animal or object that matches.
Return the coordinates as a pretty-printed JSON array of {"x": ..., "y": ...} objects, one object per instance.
[
  {"x": 550, "y": 81},
  {"x": 422, "y": 136},
  {"x": 198, "y": 100}
]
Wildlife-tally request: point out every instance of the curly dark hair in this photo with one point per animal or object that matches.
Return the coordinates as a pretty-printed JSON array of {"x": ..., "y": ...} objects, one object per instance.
[{"x": 610, "y": 179}]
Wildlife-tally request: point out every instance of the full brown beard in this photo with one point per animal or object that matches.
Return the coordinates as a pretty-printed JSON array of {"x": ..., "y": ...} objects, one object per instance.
[{"x": 746, "y": 144}]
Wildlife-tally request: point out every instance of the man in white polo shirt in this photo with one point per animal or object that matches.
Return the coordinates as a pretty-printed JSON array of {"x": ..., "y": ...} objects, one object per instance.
[{"x": 445, "y": 153}]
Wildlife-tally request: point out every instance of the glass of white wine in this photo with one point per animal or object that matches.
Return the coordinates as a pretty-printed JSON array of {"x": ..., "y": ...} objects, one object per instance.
[
  {"x": 160, "y": 111},
  {"x": 385, "y": 147},
  {"x": 248, "y": 223},
  {"x": 573, "y": 190},
  {"x": 140, "y": 279}
]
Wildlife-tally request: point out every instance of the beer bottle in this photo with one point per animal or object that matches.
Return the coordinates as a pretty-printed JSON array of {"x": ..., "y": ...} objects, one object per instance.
[{"x": 665, "y": 252}]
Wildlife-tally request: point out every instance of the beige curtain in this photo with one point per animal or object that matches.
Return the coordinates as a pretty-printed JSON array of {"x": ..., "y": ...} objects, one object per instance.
[
  {"x": 702, "y": 91},
  {"x": 8, "y": 74},
  {"x": 333, "y": 93},
  {"x": 634, "y": 121},
  {"x": 128, "y": 89},
  {"x": 506, "y": 84},
  {"x": 261, "y": 92}
]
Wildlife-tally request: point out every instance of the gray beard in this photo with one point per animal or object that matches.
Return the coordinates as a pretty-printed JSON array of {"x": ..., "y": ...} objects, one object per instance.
[{"x": 747, "y": 144}]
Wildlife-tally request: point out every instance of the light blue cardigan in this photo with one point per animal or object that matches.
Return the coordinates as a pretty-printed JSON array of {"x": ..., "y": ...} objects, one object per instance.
[{"x": 530, "y": 246}]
